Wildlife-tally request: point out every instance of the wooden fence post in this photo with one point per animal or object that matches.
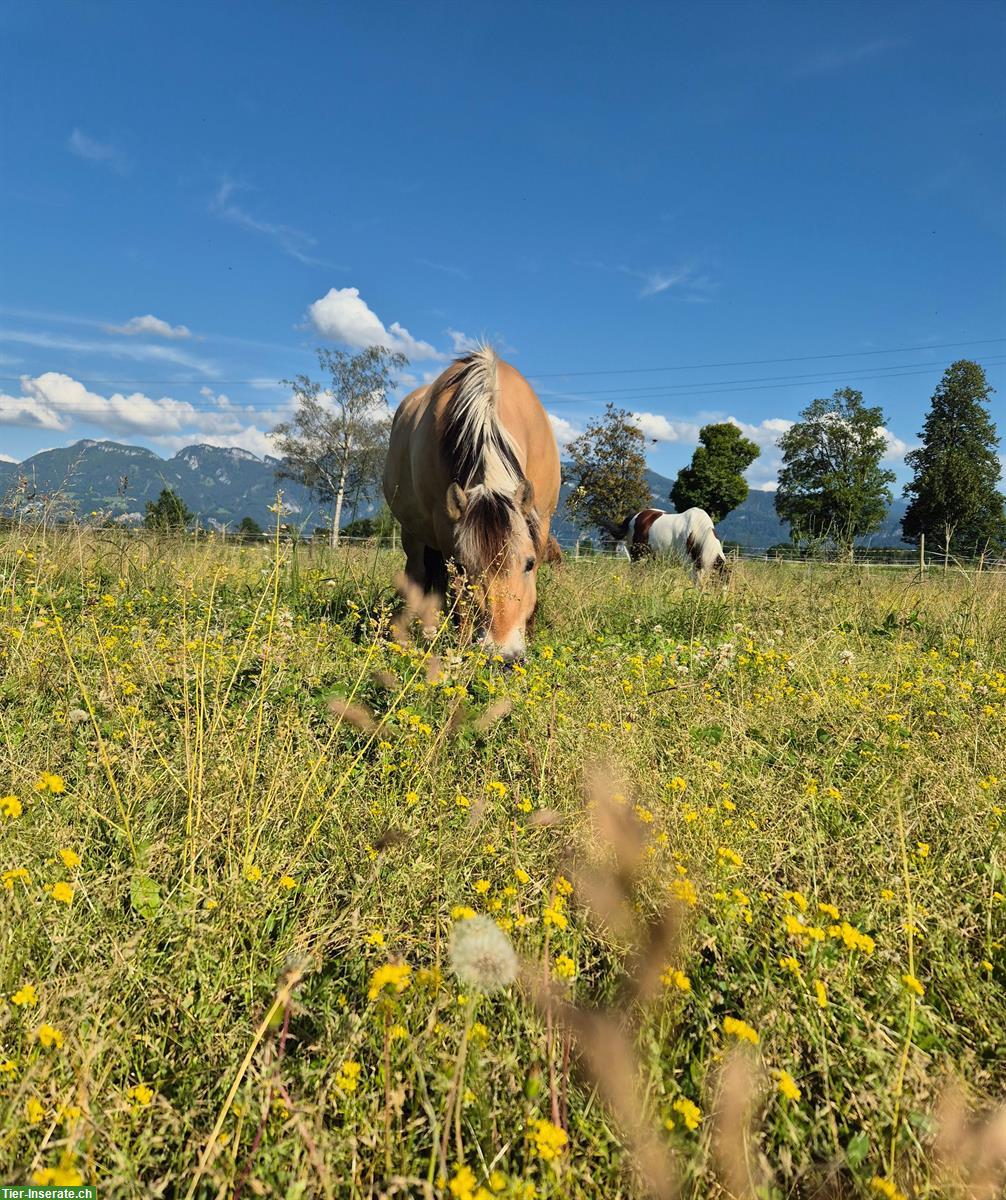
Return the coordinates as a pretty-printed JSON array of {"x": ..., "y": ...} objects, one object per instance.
[{"x": 922, "y": 555}]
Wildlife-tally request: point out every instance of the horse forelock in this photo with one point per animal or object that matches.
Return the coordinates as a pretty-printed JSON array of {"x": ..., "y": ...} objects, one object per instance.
[{"x": 488, "y": 531}]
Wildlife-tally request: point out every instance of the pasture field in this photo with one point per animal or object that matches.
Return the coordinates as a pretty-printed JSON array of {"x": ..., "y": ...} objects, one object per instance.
[{"x": 757, "y": 833}]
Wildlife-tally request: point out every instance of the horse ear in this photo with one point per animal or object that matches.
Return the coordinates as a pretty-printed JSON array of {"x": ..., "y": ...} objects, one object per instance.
[
  {"x": 457, "y": 502},
  {"x": 525, "y": 496}
]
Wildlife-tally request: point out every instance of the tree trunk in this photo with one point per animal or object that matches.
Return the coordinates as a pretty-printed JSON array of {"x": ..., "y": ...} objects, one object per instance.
[{"x": 340, "y": 495}]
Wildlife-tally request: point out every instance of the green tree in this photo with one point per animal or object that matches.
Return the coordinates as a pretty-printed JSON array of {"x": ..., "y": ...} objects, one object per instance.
[
  {"x": 168, "y": 513},
  {"x": 954, "y": 497},
  {"x": 607, "y": 471},
  {"x": 832, "y": 486},
  {"x": 336, "y": 442},
  {"x": 714, "y": 480},
  {"x": 249, "y": 528}
]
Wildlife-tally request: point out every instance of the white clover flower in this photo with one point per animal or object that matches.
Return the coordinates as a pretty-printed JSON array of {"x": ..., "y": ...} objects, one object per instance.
[{"x": 481, "y": 955}]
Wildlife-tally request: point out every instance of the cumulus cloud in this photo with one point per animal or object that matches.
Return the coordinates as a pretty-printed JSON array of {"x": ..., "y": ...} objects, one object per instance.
[
  {"x": 91, "y": 150},
  {"x": 152, "y": 326},
  {"x": 896, "y": 448},
  {"x": 565, "y": 431},
  {"x": 661, "y": 429},
  {"x": 55, "y": 401},
  {"x": 248, "y": 437},
  {"x": 58, "y": 402},
  {"x": 344, "y": 316}
]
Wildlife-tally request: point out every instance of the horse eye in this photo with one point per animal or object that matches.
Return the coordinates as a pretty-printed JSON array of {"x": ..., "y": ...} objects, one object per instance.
[{"x": 529, "y": 566}]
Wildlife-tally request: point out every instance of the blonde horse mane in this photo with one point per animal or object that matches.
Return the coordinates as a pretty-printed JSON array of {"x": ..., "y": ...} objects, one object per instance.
[{"x": 482, "y": 459}]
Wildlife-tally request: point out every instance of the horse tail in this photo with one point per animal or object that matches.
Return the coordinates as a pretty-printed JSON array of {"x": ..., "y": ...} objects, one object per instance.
[{"x": 618, "y": 532}]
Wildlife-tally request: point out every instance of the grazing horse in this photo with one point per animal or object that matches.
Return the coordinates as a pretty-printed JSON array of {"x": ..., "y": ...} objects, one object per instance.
[
  {"x": 473, "y": 475},
  {"x": 690, "y": 536}
]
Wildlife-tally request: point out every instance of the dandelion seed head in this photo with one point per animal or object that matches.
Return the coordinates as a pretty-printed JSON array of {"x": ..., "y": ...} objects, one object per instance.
[{"x": 481, "y": 955}]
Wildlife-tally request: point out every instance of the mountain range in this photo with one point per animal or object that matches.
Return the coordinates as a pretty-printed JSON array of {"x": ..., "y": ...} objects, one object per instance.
[{"x": 222, "y": 485}]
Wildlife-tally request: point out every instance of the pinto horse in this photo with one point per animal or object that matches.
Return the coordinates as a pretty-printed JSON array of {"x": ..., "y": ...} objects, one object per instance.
[
  {"x": 690, "y": 536},
  {"x": 473, "y": 476}
]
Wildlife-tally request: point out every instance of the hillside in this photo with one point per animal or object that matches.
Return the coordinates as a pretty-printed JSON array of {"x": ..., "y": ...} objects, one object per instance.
[{"x": 222, "y": 485}]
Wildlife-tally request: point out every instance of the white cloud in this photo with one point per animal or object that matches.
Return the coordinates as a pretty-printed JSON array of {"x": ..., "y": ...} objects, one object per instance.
[
  {"x": 137, "y": 351},
  {"x": 57, "y": 402},
  {"x": 294, "y": 241},
  {"x": 565, "y": 431},
  {"x": 91, "y": 150},
  {"x": 896, "y": 448},
  {"x": 685, "y": 281},
  {"x": 249, "y": 437},
  {"x": 344, "y": 316},
  {"x": 151, "y": 325},
  {"x": 660, "y": 429},
  {"x": 462, "y": 343}
]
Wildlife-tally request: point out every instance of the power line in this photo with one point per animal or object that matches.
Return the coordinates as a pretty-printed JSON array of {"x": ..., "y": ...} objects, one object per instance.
[
  {"x": 119, "y": 381},
  {"x": 812, "y": 377},
  {"x": 760, "y": 362}
]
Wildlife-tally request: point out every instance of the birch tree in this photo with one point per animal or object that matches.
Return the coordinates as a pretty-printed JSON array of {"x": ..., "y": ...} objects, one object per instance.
[{"x": 337, "y": 439}]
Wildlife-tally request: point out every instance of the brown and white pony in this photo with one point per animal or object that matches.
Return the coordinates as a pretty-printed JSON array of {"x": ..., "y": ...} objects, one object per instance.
[
  {"x": 689, "y": 536},
  {"x": 473, "y": 475}
]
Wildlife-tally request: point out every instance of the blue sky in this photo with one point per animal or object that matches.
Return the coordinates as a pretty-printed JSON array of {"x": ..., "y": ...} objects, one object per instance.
[{"x": 678, "y": 208}]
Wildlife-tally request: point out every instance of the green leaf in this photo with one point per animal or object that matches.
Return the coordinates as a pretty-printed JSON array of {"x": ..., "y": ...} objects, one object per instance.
[
  {"x": 145, "y": 896},
  {"x": 857, "y": 1150}
]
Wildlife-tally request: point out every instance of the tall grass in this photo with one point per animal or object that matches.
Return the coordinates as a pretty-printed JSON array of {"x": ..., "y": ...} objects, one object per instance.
[{"x": 272, "y": 797}]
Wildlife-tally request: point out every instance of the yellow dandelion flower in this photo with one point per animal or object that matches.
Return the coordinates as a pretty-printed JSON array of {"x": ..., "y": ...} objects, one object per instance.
[
  {"x": 671, "y": 977},
  {"x": 252, "y": 873},
  {"x": 740, "y": 1030},
  {"x": 375, "y": 938},
  {"x": 548, "y": 1140},
  {"x": 53, "y": 784},
  {"x": 913, "y": 985},
  {"x": 522, "y": 875},
  {"x": 553, "y": 915},
  {"x": 497, "y": 788},
  {"x": 49, "y": 1037},
  {"x": 922, "y": 849},
  {"x": 684, "y": 890},
  {"x": 886, "y": 1188},
  {"x": 347, "y": 1078},
  {"x": 25, "y": 995},
  {"x": 140, "y": 1094},
  {"x": 565, "y": 968},
  {"x": 822, "y": 993},
  {"x": 787, "y": 1085},
  {"x": 71, "y": 859},
  {"x": 461, "y": 912},
  {"x": 690, "y": 1113},
  {"x": 65, "y": 1175},
  {"x": 730, "y": 856},
  {"x": 563, "y": 886},
  {"x": 829, "y": 910},
  {"x": 789, "y": 963},
  {"x": 33, "y": 1111},
  {"x": 62, "y": 892},
  {"x": 481, "y": 886},
  {"x": 287, "y": 882},
  {"x": 394, "y": 976},
  {"x": 11, "y": 807}
]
